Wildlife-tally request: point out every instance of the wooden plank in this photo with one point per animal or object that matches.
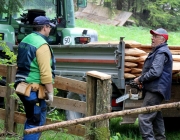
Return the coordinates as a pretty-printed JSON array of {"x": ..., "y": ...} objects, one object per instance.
[
  {"x": 10, "y": 102},
  {"x": 98, "y": 75},
  {"x": 91, "y": 104},
  {"x": 3, "y": 70},
  {"x": 70, "y": 85},
  {"x": 103, "y": 15},
  {"x": 69, "y": 104},
  {"x": 122, "y": 16},
  {"x": 2, "y": 114},
  {"x": 104, "y": 91},
  {"x": 78, "y": 130},
  {"x": 20, "y": 118},
  {"x": 2, "y": 91}
]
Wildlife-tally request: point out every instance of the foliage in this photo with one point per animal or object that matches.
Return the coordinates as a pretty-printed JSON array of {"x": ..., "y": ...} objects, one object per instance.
[
  {"x": 11, "y": 56},
  {"x": 154, "y": 13},
  {"x": 10, "y": 6},
  {"x": 56, "y": 115}
]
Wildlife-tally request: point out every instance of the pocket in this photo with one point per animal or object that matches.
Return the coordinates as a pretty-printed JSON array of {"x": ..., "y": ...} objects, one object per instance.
[{"x": 32, "y": 96}]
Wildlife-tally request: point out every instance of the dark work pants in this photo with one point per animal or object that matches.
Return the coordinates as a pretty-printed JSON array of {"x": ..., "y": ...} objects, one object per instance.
[
  {"x": 151, "y": 125},
  {"x": 35, "y": 113}
]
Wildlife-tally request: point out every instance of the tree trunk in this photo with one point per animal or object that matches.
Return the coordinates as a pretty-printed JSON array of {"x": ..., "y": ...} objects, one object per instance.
[
  {"x": 119, "y": 4},
  {"x": 105, "y": 116}
]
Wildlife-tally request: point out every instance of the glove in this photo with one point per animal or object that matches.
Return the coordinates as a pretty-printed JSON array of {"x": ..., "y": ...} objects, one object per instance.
[{"x": 50, "y": 99}]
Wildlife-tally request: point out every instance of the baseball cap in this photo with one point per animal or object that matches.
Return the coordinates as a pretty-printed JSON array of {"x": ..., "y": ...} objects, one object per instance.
[
  {"x": 161, "y": 32},
  {"x": 43, "y": 20}
]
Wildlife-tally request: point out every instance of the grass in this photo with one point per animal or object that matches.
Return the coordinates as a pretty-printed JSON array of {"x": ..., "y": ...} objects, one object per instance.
[{"x": 113, "y": 33}]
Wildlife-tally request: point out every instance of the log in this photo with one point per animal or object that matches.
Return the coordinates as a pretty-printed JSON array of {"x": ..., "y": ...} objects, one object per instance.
[
  {"x": 130, "y": 64},
  {"x": 176, "y": 66},
  {"x": 137, "y": 74},
  {"x": 142, "y": 58},
  {"x": 102, "y": 117},
  {"x": 176, "y": 57},
  {"x": 131, "y": 59},
  {"x": 129, "y": 75},
  {"x": 134, "y": 52},
  {"x": 132, "y": 44},
  {"x": 171, "y": 47},
  {"x": 127, "y": 70},
  {"x": 136, "y": 70}
]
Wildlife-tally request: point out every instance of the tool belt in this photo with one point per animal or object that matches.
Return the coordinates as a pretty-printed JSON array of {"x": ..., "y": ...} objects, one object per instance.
[{"x": 25, "y": 89}]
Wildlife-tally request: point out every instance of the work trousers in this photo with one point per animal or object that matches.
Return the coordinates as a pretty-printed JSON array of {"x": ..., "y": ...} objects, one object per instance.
[
  {"x": 151, "y": 125},
  {"x": 35, "y": 110}
]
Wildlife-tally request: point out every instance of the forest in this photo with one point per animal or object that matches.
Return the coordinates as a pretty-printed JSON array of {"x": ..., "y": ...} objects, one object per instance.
[{"x": 146, "y": 13}]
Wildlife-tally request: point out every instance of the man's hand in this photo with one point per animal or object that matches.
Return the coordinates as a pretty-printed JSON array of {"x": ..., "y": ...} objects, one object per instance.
[
  {"x": 136, "y": 80},
  {"x": 49, "y": 101}
]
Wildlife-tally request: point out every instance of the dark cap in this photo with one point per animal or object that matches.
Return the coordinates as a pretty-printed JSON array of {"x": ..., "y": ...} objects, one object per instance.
[
  {"x": 161, "y": 32},
  {"x": 42, "y": 20}
]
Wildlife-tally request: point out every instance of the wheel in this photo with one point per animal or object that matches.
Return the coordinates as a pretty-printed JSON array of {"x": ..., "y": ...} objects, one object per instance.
[{"x": 71, "y": 115}]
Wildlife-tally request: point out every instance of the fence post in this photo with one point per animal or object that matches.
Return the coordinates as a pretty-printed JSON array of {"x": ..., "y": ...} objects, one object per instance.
[
  {"x": 98, "y": 95},
  {"x": 9, "y": 102}
]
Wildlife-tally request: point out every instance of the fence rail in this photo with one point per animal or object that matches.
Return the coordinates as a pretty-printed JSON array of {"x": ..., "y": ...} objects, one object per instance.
[{"x": 98, "y": 86}]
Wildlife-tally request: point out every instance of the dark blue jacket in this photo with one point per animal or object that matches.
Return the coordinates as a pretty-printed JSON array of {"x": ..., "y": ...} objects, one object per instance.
[{"x": 157, "y": 71}]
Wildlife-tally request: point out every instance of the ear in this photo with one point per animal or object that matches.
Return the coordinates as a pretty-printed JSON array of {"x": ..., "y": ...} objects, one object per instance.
[{"x": 163, "y": 40}]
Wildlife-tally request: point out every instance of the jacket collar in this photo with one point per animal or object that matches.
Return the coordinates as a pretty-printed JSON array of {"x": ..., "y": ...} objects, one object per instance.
[
  {"x": 45, "y": 37},
  {"x": 161, "y": 45}
]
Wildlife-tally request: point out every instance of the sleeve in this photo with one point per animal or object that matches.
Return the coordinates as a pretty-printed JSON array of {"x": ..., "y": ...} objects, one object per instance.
[
  {"x": 156, "y": 69},
  {"x": 43, "y": 56}
]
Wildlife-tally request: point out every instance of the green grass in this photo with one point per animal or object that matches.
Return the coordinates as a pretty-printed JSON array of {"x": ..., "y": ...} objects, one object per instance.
[{"x": 113, "y": 33}]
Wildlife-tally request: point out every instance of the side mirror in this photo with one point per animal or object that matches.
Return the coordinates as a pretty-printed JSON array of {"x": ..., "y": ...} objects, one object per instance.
[{"x": 82, "y": 3}]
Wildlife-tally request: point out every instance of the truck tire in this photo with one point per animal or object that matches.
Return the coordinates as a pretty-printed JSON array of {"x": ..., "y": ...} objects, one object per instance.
[{"x": 71, "y": 115}]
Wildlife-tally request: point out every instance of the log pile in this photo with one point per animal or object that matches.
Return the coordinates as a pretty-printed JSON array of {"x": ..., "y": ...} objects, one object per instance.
[{"x": 135, "y": 55}]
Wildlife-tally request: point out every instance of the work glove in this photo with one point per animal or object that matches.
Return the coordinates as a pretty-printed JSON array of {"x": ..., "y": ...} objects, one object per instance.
[{"x": 49, "y": 101}]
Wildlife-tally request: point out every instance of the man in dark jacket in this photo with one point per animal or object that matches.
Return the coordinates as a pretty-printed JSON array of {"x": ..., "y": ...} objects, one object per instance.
[{"x": 156, "y": 80}]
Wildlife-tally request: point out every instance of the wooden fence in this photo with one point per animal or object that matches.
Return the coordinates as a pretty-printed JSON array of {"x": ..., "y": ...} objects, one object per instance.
[{"x": 97, "y": 90}]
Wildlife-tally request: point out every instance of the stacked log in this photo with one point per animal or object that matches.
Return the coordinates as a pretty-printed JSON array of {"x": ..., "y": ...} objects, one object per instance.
[{"x": 135, "y": 56}]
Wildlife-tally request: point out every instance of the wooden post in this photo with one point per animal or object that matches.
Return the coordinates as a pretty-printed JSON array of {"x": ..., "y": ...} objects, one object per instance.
[
  {"x": 10, "y": 102},
  {"x": 103, "y": 102},
  {"x": 90, "y": 105},
  {"x": 98, "y": 102}
]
